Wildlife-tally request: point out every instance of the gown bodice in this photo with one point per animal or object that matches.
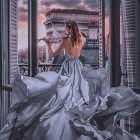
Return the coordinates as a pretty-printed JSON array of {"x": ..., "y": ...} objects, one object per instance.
[
  {"x": 70, "y": 63},
  {"x": 70, "y": 57}
]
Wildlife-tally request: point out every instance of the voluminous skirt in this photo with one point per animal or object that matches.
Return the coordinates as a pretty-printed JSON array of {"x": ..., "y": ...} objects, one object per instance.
[{"x": 78, "y": 105}]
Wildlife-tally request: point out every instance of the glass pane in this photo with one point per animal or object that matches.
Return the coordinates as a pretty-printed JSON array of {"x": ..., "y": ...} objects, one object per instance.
[
  {"x": 107, "y": 18},
  {"x": 130, "y": 50},
  {"x": 23, "y": 36},
  {"x": 130, "y": 43},
  {"x": 85, "y": 13}
]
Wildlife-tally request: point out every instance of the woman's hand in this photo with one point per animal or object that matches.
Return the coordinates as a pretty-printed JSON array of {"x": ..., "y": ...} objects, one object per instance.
[{"x": 45, "y": 40}]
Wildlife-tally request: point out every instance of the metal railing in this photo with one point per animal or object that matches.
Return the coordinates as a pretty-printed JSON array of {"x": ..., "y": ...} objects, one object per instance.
[
  {"x": 92, "y": 41},
  {"x": 23, "y": 68}
]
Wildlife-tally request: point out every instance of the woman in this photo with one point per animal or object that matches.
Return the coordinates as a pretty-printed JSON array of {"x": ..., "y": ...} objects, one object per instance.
[
  {"x": 74, "y": 104},
  {"x": 73, "y": 38}
]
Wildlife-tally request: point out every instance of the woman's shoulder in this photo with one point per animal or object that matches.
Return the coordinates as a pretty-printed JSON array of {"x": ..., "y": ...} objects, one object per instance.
[
  {"x": 65, "y": 40},
  {"x": 83, "y": 39}
]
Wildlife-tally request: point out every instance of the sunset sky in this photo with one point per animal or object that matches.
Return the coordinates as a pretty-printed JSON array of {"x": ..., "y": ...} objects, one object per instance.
[{"x": 46, "y": 5}]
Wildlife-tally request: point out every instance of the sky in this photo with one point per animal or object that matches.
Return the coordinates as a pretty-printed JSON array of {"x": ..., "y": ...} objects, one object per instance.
[{"x": 44, "y": 6}]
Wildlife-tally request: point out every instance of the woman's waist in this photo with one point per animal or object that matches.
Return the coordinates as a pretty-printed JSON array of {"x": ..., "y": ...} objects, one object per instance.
[{"x": 71, "y": 59}]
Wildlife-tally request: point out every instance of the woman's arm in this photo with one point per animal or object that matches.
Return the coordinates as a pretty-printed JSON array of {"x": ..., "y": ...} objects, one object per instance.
[{"x": 57, "y": 50}]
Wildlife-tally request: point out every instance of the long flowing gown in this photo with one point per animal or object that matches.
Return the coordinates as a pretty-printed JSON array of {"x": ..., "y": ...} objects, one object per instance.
[{"x": 74, "y": 104}]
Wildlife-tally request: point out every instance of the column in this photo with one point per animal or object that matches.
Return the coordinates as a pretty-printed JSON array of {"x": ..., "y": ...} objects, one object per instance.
[
  {"x": 115, "y": 69},
  {"x": 32, "y": 38}
]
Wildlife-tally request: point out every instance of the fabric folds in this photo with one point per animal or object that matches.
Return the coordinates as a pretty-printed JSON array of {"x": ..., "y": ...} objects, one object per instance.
[{"x": 74, "y": 104}]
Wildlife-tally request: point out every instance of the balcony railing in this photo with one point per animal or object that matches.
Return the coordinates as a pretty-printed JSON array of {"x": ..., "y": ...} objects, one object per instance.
[
  {"x": 92, "y": 41},
  {"x": 23, "y": 68}
]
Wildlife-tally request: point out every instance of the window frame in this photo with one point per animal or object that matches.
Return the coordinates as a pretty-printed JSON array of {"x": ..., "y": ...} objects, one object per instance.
[
  {"x": 32, "y": 38},
  {"x": 4, "y": 58}
]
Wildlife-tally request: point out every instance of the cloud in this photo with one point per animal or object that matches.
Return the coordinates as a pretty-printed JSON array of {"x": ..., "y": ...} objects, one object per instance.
[
  {"x": 23, "y": 17},
  {"x": 25, "y": 1},
  {"x": 94, "y": 4},
  {"x": 107, "y": 8},
  {"x": 47, "y": 2},
  {"x": 65, "y": 3},
  {"x": 68, "y": 3},
  {"x": 74, "y": 4},
  {"x": 22, "y": 10},
  {"x": 22, "y": 14}
]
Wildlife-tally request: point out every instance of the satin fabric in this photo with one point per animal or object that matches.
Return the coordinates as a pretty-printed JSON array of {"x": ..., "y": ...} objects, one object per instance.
[{"x": 74, "y": 104}]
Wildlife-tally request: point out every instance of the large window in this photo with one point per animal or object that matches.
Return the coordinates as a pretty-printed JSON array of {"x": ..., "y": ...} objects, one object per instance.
[
  {"x": 17, "y": 44},
  {"x": 55, "y": 14},
  {"x": 19, "y": 49},
  {"x": 85, "y": 13}
]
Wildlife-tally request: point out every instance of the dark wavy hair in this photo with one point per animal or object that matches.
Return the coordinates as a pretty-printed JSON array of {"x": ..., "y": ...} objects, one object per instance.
[{"x": 76, "y": 36}]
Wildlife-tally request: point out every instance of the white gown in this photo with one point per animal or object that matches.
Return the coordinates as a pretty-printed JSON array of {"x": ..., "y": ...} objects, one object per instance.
[{"x": 74, "y": 104}]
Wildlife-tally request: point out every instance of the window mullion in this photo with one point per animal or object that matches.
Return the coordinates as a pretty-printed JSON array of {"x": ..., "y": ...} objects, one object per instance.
[
  {"x": 115, "y": 69},
  {"x": 4, "y": 77},
  {"x": 32, "y": 37}
]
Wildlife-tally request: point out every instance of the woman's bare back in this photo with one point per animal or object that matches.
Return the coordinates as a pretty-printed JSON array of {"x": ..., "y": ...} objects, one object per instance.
[{"x": 75, "y": 51}]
